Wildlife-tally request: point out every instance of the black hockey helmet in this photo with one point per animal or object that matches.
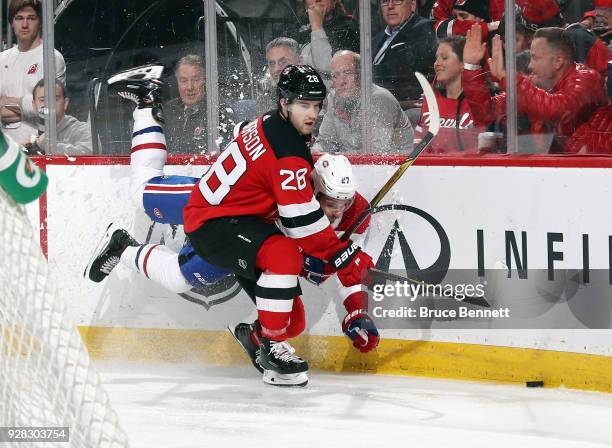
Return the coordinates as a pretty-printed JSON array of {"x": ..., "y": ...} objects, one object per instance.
[{"x": 301, "y": 82}]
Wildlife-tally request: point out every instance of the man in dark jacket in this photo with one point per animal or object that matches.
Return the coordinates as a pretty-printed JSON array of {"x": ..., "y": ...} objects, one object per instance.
[
  {"x": 407, "y": 44},
  {"x": 186, "y": 115}
]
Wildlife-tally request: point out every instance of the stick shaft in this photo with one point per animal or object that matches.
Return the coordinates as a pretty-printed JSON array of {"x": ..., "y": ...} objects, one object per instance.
[{"x": 388, "y": 185}]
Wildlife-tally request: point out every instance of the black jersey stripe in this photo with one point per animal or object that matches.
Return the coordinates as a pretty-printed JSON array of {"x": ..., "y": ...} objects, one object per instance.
[{"x": 302, "y": 220}]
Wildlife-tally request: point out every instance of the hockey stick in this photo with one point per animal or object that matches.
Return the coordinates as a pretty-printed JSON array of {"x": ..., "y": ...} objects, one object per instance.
[{"x": 434, "y": 127}]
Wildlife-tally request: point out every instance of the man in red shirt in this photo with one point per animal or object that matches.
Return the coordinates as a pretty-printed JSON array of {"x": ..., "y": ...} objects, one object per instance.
[
  {"x": 262, "y": 176},
  {"x": 560, "y": 93}
]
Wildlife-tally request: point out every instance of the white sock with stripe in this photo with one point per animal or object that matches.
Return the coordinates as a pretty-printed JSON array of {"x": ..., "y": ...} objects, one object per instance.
[
  {"x": 148, "y": 153},
  {"x": 158, "y": 263}
]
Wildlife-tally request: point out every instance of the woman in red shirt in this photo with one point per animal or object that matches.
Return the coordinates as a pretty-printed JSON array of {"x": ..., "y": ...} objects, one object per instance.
[{"x": 458, "y": 127}]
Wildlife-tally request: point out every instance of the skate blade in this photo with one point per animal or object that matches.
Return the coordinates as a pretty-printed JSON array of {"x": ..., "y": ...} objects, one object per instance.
[
  {"x": 257, "y": 366},
  {"x": 291, "y": 380},
  {"x": 152, "y": 71},
  {"x": 104, "y": 241}
]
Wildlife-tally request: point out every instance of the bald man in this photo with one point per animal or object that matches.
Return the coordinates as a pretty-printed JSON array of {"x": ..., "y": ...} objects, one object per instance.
[{"x": 341, "y": 127}]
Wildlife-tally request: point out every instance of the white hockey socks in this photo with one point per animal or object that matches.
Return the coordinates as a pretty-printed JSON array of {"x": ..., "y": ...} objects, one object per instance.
[
  {"x": 158, "y": 263},
  {"x": 148, "y": 154}
]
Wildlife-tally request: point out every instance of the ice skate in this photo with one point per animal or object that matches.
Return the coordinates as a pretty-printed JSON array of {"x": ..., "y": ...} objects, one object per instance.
[
  {"x": 280, "y": 357},
  {"x": 108, "y": 253},
  {"x": 141, "y": 85},
  {"x": 242, "y": 333},
  {"x": 289, "y": 380}
]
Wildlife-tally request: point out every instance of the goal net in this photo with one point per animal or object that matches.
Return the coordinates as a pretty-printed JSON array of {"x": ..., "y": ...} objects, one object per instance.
[{"x": 46, "y": 376}]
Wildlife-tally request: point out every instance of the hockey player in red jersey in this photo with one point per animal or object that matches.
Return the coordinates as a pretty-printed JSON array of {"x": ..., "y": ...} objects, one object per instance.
[
  {"x": 262, "y": 176},
  {"x": 334, "y": 186}
]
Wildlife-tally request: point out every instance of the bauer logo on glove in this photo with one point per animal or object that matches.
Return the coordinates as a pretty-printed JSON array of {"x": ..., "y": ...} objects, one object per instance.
[{"x": 342, "y": 258}]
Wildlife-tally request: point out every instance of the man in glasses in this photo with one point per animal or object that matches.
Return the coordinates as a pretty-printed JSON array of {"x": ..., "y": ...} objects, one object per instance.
[
  {"x": 280, "y": 52},
  {"x": 406, "y": 45},
  {"x": 340, "y": 130}
]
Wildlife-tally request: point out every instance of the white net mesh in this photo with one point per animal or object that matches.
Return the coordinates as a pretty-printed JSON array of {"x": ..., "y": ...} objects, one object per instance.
[{"x": 46, "y": 376}]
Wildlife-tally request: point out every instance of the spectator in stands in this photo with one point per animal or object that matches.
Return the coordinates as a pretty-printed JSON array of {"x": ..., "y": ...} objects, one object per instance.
[
  {"x": 573, "y": 10},
  {"x": 280, "y": 53},
  {"x": 529, "y": 19},
  {"x": 458, "y": 126},
  {"x": 408, "y": 44},
  {"x": 329, "y": 29},
  {"x": 22, "y": 66},
  {"x": 594, "y": 136},
  {"x": 599, "y": 21},
  {"x": 73, "y": 136},
  {"x": 589, "y": 49},
  {"x": 560, "y": 93},
  {"x": 186, "y": 124},
  {"x": 340, "y": 130},
  {"x": 456, "y": 17},
  {"x": 588, "y": 20}
]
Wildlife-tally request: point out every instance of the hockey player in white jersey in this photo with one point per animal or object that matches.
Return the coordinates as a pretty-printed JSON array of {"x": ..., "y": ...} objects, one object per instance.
[{"x": 162, "y": 197}]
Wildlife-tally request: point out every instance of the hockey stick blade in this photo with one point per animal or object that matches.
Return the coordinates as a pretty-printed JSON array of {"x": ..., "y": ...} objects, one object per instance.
[
  {"x": 378, "y": 274},
  {"x": 434, "y": 127}
]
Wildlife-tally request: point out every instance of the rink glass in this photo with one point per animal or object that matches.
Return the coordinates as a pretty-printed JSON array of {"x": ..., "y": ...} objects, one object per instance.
[{"x": 99, "y": 39}]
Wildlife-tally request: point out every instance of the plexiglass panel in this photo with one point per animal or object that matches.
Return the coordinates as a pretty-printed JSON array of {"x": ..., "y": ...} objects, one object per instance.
[{"x": 461, "y": 47}]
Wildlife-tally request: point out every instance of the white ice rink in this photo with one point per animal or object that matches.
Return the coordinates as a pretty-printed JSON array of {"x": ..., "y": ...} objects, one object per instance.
[{"x": 187, "y": 406}]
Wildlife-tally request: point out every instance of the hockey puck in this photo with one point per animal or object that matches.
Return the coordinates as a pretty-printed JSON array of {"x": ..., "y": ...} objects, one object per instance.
[{"x": 534, "y": 383}]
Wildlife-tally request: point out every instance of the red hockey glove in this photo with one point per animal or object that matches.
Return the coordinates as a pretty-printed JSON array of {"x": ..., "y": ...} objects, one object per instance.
[
  {"x": 360, "y": 328},
  {"x": 316, "y": 271},
  {"x": 352, "y": 265},
  {"x": 358, "y": 325}
]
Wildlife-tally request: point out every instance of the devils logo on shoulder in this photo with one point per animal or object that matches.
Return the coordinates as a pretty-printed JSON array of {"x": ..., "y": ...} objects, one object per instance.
[{"x": 33, "y": 69}]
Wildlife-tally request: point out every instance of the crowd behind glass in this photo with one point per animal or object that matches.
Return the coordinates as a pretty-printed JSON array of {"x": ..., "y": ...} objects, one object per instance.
[{"x": 563, "y": 53}]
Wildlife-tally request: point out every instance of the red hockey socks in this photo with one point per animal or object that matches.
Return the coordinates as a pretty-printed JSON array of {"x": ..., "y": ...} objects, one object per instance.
[{"x": 280, "y": 259}]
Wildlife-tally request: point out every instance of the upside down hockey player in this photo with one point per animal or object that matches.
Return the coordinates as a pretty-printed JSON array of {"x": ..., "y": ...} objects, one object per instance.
[{"x": 268, "y": 277}]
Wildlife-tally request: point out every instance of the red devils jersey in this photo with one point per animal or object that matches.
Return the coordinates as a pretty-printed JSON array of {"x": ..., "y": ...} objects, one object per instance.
[
  {"x": 265, "y": 172},
  {"x": 458, "y": 128}
]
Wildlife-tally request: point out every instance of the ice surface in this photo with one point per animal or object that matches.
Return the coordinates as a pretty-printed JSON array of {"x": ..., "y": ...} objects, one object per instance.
[{"x": 193, "y": 406}]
